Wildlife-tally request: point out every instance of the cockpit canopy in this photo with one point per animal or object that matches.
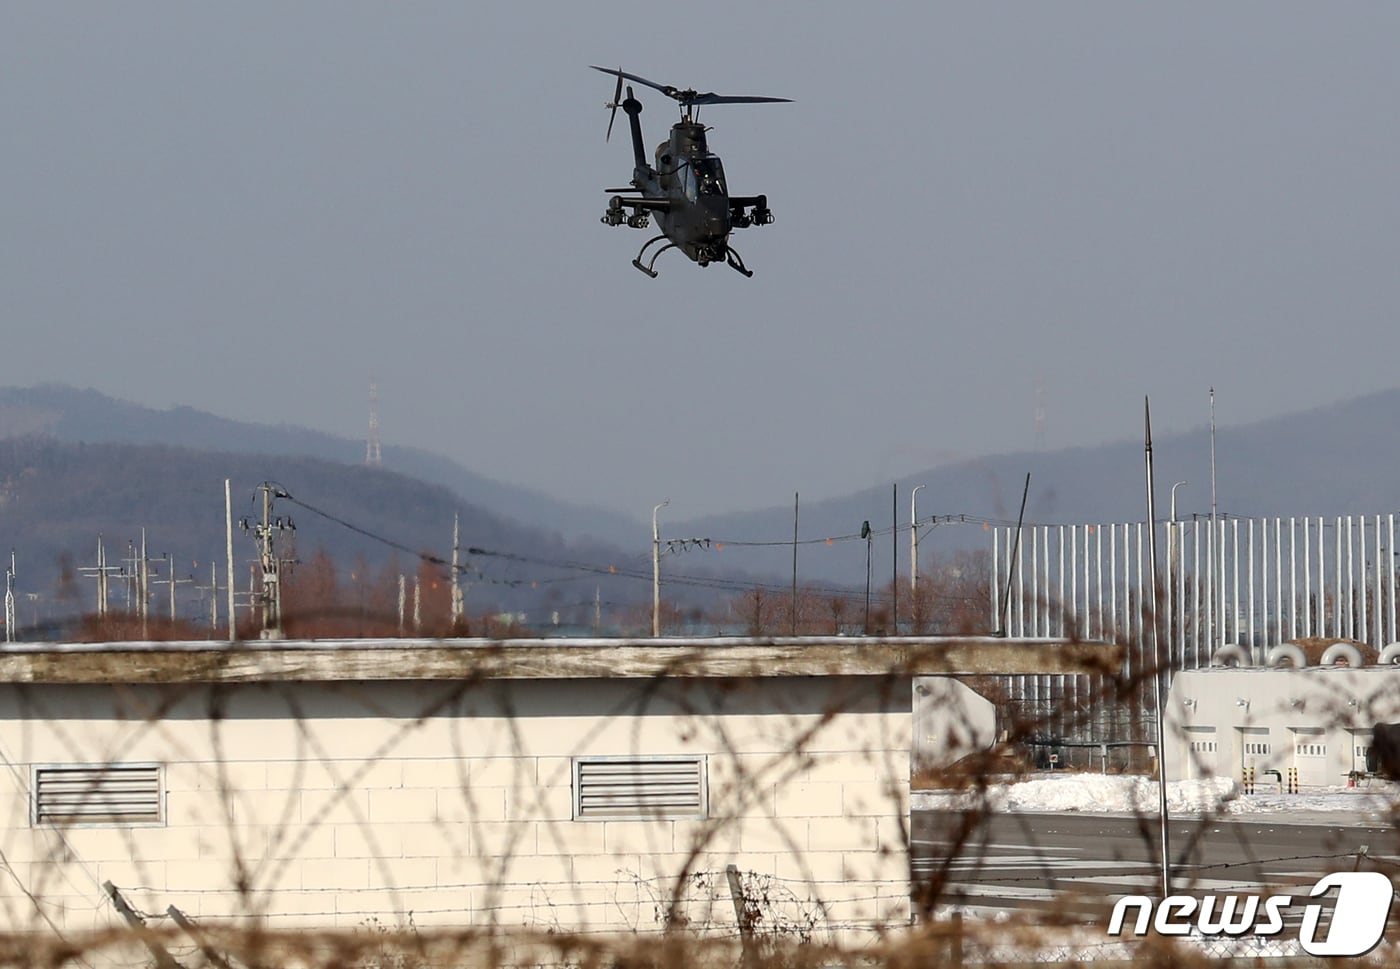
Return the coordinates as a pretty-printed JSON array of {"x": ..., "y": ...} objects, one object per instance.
[{"x": 705, "y": 176}]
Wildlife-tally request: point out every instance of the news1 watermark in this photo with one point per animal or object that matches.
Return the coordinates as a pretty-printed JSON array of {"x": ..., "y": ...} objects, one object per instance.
[{"x": 1359, "y": 914}]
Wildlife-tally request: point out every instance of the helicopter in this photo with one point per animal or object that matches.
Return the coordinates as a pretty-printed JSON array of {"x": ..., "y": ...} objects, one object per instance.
[{"x": 686, "y": 191}]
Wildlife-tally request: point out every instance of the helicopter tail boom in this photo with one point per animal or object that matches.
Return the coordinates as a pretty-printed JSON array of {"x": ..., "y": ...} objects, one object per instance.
[{"x": 633, "y": 107}]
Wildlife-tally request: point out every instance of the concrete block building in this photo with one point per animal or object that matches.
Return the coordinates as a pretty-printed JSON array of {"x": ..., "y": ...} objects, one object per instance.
[{"x": 573, "y": 785}]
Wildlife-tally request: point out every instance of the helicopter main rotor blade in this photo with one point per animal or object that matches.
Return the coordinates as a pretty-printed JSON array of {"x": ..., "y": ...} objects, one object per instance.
[
  {"x": 688, "y": 96},
  {"x": 617, "y": 99},
  {"x": 663, "y": 88},
  {"x": 734, "y": 99}
]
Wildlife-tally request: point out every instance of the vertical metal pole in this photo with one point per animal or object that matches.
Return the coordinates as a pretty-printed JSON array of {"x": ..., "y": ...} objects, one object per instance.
[
  {"x": 656, "y": 571},
  {"x": 894, "y": 556},
  {"x": 1339, "y": 622},
  {"x": 1098, "y": 574},
  {"x": 402, "y": 599},
  {"x": 1278, "y": 572},
  {"x": 170, "y": 575},
  {"x": 1235, "y": 577},
  {"x": 1035, "y": 579},
  {"x": 1351, "y": 583},
  {"x": 1141, "y": 603},
  {"x": 795, "y": 505},
  {"x": 1252, "y": 639},
  {"x": 1322, "y": 581},
  {"x": 1160, "y": 679},
  {"x": 1377, "y": 642},
  {"x": 1211, "y": 575},
  {"x": 417, "y": 603},
  {"x": 1264, "y": 576},
  {"x": 1390, "y": 575},
  {"x": 1061, "y": 537},
  {"x": 1197, "y": 628},
  {"x": 101, "y": 578},
  {"x": 228, "y": 552},
  {"x": 914, "y": 541},
  {"x": 1364, "y": 626},
  {"x": 1084, "y": 623},
  {"x": 1307, "y": 577},
  {"x": 1045, "y": 570},
  {"x": 1020, "y": 585},
  {"x": 996, "y": 580},
  {"x": 1212, "y": 643},
  {"x": 1113, "y": 583},
  {"x": 1220, "y": 576},
  {"x": 455, "y": 609},
  {"x": 1292, "y": 578}
]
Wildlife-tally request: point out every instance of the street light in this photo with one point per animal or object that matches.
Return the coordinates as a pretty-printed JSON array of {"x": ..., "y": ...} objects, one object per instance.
[
  {"x": 656, "y": 571},
  {"x": 865, "y": 534}
]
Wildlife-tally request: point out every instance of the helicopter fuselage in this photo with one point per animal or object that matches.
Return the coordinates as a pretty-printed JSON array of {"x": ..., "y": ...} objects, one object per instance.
[
  {"x": 686, "y": 192},
  {"x": 689, "y": 176}
]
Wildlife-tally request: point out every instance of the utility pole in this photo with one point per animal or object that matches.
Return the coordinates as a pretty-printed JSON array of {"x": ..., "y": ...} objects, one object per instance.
[
  {"x": 914, "y": 541},
  {"x": 144, "y": 574},
  {"x": 228, "y": 559},
  {"x": 456, "y": 587},
  {"x": 656, "y": 571},
  {"x": 10, "y": 600},
  {"x": 171, "y": 581},
  {"x": 213, "y": 589},
  {"x": 140, "y": 576},
  {"x": 403, "y": 598},
  {"x": 795, "y": 505},
  {"x": 100, "y": 571},
  {"x": 264, "y": 533},
  {"x": 417, "y": 603}
]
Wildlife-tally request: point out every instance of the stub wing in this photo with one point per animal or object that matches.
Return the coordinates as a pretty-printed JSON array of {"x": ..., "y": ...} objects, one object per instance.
[{"x": 644, "y": 205}]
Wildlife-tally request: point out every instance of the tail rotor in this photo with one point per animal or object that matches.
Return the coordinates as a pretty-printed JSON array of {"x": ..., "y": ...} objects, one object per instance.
[{"x": 614, "y": 104}]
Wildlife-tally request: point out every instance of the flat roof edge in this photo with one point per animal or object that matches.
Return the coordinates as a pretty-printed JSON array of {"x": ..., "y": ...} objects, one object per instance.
[{"x": 524, "y": 659}]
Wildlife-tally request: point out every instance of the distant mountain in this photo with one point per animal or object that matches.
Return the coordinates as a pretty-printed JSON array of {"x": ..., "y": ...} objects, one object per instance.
[
  {"x": 1337, "y": 460},
  {"x": 118, "y": 466},
  {"x": 76, "y": 465},
  {"x": 86, "y": 416},
  {"x": 57, "y": 499}
]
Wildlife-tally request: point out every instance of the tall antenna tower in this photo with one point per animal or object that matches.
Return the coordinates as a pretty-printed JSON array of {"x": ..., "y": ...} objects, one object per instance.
[{"x": 372, "y": 457}]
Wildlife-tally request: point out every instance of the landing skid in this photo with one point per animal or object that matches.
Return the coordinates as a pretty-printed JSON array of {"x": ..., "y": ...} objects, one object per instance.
[
  {"x": 731, "y": 258},
  {"x": 652, "y": 262}
]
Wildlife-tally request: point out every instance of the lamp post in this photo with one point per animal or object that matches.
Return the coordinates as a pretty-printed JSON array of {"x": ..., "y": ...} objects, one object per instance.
[
  {"x": 656, "y": 571},
  {"x": 914, "y": 541},
  {"x": 865, "y": 534}
]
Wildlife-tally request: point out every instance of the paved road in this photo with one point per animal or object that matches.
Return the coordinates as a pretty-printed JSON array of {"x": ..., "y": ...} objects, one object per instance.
[{"x": 1081, "y": 863}]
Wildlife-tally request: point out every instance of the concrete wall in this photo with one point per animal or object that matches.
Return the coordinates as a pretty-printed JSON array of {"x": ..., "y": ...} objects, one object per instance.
[
  {"x": 1316, "y": 719},
  {"x": 330, "y": 804}
]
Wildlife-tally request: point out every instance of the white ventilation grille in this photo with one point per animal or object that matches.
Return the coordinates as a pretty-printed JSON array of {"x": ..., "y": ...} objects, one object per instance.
[
  {"x": 615, "y": 788},
  {"x": 97, "y": 794}
]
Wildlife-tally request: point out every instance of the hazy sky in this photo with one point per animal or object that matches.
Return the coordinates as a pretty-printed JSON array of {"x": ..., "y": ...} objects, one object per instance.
[{"x": 255, "y": 208}]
